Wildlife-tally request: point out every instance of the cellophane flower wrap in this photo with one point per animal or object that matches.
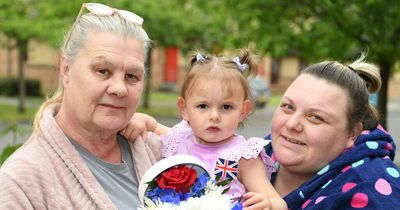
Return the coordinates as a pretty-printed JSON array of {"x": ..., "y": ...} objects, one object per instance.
[{"x": 181, "y": 188}]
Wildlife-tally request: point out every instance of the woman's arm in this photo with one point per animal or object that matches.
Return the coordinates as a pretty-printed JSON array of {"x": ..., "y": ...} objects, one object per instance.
[{"x": 261, "y": 194}]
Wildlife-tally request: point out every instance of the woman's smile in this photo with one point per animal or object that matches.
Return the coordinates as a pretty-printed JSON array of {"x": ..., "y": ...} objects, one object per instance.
[{"x": 292, "y": 140}]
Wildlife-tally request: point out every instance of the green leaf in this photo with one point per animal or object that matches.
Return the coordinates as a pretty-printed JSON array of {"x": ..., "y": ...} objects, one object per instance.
[
  {"x": 152, "y": 184},
  {"x": 223, "y": 182},
  {"x": 7, "y": 151},
  {"x": 225, "y": 190}
]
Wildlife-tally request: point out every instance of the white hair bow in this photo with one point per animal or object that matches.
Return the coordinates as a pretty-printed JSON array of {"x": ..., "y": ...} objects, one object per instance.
[{"x": 241, "y": 66}]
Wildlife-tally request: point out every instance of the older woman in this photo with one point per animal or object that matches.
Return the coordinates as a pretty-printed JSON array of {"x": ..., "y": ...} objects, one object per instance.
[
  {"x": 75, "y": 158},
  {"x": 330, "y": 151}
]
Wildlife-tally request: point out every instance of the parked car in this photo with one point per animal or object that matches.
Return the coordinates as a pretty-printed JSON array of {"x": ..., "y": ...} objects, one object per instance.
[{"x": 260, "y": 91}]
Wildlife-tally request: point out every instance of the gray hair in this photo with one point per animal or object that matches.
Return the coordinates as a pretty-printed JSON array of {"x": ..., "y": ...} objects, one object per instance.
[
  {"x": 76, "y": 39},
  {"x": 358, "y": 79}
]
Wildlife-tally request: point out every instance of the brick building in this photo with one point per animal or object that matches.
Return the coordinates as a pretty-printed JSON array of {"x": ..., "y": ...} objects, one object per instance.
[{"x": 168, "y": 68}]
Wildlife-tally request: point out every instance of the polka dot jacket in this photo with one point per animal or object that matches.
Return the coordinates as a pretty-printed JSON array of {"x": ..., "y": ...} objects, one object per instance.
[{"x": 363, "y": 177}]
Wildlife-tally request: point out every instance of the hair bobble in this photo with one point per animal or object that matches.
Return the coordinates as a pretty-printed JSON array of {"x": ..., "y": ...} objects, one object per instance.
[
  {"x": 200, "y": 57},
  {"x": 351, "y": 68},
  {"x": 241, "y": 66}
]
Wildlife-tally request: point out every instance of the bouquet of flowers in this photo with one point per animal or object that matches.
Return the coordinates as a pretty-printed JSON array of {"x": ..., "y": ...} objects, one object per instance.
[{"x": 180, "y": 182}]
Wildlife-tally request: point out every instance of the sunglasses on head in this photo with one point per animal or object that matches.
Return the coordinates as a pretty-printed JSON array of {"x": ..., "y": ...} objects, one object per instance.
[{"x": 104, "y": 10}]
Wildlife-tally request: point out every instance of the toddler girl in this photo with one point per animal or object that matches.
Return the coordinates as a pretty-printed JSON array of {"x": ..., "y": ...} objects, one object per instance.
[{"x": 214, "y": 102}]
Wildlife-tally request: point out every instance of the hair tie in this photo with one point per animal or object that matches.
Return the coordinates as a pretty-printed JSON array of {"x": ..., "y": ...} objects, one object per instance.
[
  {"x": 351, "y": 68},
  {"x": 200, "y": 57},
  {"x": 241, "y": 66}
]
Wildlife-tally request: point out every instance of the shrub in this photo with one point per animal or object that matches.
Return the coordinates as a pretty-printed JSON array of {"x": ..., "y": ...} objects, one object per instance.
[
  {"x": 10, "y": 87},
  {"x": 7, "y": 152}
]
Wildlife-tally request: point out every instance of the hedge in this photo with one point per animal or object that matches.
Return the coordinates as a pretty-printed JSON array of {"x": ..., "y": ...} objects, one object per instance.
[{"x": 10, "y": 87}]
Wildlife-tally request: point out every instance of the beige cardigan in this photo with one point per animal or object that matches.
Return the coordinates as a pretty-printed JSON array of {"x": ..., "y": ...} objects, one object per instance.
[{"x": 48, "y": 173}]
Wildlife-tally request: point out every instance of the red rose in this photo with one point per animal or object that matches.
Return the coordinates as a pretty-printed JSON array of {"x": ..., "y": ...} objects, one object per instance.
[{"x": 180, "y": 178}]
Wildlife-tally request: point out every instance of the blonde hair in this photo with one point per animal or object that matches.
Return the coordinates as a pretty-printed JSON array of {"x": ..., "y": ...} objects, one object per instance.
[
  {"x": 222, "y": 68},
  {"x": 76, "y": 39}
]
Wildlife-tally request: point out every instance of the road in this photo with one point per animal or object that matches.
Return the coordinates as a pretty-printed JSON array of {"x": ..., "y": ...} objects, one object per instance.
[{"x": 256, "y": 125}]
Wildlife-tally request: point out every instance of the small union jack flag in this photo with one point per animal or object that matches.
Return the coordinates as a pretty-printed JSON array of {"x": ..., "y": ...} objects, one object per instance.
[{"x": 226, "y": 169}]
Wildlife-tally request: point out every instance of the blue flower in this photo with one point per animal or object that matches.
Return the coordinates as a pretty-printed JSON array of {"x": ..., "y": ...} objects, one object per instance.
[
  {"x": 170, "y": 196},
  {"x": 157, "y": 194},
  {"x": 198, "y": 188},
  {"x": 154, "y": 192},
  {"x": 237, "y": 206},
  {"x": 184, "y": 186},
  {"x": 185, "y": 196}
]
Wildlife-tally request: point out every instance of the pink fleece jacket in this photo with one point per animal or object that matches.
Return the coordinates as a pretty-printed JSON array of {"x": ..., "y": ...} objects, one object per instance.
[{"x": 48, "y": 173}]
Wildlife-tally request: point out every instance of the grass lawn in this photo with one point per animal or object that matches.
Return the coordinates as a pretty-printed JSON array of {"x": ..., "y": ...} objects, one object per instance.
[
  {"x": 10, "y": 113},
  {"x": 160, "y": 104}
]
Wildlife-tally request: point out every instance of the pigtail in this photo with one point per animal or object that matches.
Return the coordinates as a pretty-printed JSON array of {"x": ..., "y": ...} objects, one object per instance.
[
  {"x": 192, "y": 60},
  {"x": 196, "y": 58},
  {"x": 247, "y": 58}
]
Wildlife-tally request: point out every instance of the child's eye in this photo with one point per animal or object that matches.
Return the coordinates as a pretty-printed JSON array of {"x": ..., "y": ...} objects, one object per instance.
[
  {"x": 227, "y": 107},
  {"x": 202, "y": 106}
]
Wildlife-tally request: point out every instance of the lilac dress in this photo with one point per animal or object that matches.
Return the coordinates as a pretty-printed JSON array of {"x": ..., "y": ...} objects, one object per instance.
[{"x": 181, "y": 140}]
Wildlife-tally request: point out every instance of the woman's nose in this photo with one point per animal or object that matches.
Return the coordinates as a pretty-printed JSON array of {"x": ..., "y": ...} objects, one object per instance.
[
  {"x": 118, "y": 87},
  {"x": 294, "y": 122}
]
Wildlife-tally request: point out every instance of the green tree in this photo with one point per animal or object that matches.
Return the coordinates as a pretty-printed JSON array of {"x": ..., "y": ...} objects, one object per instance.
[
  {"x": 169, "y": 23},
  {"x": 24, "y": 20},
  {"x": 15, "y": 16},
  {"x": 321, "y": 29},
  {"x": 176, "y": 23},
  {"x": 371, "y": 25},
  {"x": 310, "y": 29}
]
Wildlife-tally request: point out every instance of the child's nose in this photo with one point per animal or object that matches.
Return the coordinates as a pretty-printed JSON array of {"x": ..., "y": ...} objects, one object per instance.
[{"x": 214, "y": 115}]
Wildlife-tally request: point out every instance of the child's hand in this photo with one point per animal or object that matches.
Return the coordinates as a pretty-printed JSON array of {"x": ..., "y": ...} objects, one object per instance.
[
  {"x": 256, "y": 201},
  {"x": 133, "y": 130},
  {"x": 139, "y": 124}
]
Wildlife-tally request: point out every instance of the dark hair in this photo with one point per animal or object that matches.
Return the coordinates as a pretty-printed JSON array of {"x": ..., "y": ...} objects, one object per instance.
[{"x": 358, "y": 79}]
